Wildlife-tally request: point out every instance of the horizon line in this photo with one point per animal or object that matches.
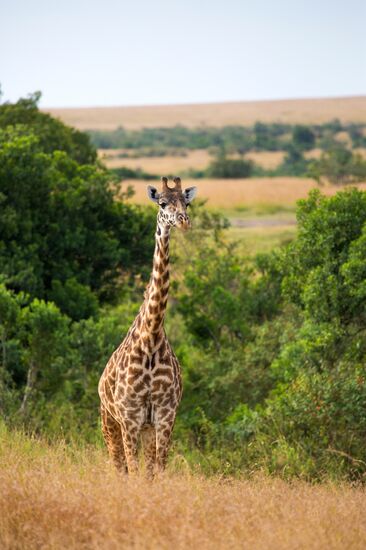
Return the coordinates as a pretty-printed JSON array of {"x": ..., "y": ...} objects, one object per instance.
[{"x": 198, "y": 103}]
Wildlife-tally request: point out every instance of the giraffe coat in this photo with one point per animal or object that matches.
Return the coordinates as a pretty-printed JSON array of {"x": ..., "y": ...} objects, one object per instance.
[{"x": 141, "y": 386}]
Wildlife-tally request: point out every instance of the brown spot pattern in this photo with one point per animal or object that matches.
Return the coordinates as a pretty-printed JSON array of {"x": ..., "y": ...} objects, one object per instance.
[{"x": 141, "y": 387}]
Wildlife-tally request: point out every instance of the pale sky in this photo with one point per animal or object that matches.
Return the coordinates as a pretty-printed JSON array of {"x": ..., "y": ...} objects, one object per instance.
[{"x": 114, "y": 52}]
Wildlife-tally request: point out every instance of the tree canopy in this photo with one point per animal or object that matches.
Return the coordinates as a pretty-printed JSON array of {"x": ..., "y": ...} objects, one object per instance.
[
  {"x": 63, "y": 234},
  {"x": 53, "y": 135}
]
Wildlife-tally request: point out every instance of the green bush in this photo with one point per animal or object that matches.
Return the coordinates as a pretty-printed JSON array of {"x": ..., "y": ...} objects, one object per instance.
[
  {"x": 60, "y": 221},
  {"x": 223, "y": 167},
  {"x": 330, "y": 234},
  {"x": 339, "y": 166},
  {"x": 303, "y": 137},
  {"x": 52, "y": 134},
  {"x": 124, "y": 173}
]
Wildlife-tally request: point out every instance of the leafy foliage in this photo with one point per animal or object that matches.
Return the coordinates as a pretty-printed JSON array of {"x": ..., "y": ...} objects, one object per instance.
[
  {"x": 223, "y": 167},
  {"x": 52, "y": 134},
  {"x": 338, "y": 165},
  {"x": 329, "y": 232},
  {"x": 303, "y": 137},
  {"x": 61, "y": 227},
  {"x": 294, "y": 163}
]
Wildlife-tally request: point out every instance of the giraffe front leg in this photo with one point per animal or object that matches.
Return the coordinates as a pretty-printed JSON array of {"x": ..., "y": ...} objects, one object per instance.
[
  {"x": 148, "y": 436},
  {"x": 112, "y": 433},
  {"x": 164, "y": 428},
  {"x": 132, "y": 422}
]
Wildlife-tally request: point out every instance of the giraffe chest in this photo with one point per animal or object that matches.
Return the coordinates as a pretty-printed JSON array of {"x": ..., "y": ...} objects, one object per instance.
[{"x": 148, "y": 377}]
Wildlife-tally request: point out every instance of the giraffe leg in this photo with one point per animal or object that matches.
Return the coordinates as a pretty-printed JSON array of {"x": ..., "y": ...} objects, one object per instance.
[
  {"x": 113, "y": 437},
  {"x": 133, "y": 420},
  {"x": 164, "y": 429},
  {"x": 148, "y": 436}
]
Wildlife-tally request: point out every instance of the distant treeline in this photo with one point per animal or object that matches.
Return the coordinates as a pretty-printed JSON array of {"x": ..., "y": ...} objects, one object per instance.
[
  {"x": 240, "y": 139},
  {"x": 338, "y": 165}
]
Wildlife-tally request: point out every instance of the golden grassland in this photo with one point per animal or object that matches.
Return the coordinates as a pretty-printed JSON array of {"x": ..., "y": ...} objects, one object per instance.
[
  {"x": 198, "y": 159},
  {"x": 246, "y": 113},
  {"x": 266, "y": 159},
  {"x": 361, "y": 152},
  {"x": 344, "y": 137},
  {"x": 57, "y": 497},
  {"x": 221, "y": 193},
  {"x": 313, "y": 154}
]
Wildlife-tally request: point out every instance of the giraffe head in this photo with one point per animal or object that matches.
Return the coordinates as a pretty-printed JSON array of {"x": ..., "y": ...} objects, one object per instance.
[{"x": 172, "y": 203}]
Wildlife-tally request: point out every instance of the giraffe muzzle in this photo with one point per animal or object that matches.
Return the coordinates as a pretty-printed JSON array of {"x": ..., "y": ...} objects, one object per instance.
[{"x": 183, "y": 222}]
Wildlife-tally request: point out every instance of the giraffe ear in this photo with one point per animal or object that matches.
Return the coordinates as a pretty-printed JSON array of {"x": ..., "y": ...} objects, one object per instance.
[
  {"x": 152, "y": 193},
  {"x": 189, "y": 194}
]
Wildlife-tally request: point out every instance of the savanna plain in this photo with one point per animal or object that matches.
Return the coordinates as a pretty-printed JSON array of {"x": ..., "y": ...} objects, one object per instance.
[{"x": 59, "y": 491}]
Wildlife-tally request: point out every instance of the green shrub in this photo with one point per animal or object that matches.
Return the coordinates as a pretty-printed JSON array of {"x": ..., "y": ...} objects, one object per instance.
[
  {"x": 52, "y": 134},
  {"x": 223, "y": 167},
  {"x": 339, "y": 166}
]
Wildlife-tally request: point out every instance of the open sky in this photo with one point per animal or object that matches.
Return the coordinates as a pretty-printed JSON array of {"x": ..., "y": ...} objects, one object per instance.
[{"x": 136, "y": 52}]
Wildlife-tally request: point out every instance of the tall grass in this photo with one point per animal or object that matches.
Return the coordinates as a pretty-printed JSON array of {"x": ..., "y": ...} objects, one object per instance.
[
  {"x": 57, "y": 496},
  {"x": 253, "y": 192}
]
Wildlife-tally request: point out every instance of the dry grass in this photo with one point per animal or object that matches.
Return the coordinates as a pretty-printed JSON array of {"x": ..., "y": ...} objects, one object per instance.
[
  {"x": 250, "y": 192},
  {"x": 267, "y": 159},
  {"x": 344, "y": 137},
  {"x": 53, "y": 500},
  {"x": 313, "y": 154},
  {"x": 198, "y": 159},
  {"x": 361, "y": 152},
  {"x": 307, "y": 111}
]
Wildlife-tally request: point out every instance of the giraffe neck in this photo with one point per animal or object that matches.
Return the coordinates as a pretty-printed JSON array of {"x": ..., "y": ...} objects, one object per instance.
[{"x": 157, "y": 292}]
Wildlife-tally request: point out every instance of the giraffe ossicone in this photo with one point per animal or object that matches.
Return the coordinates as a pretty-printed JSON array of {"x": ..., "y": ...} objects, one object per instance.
[{"x": 141, "y": 386}]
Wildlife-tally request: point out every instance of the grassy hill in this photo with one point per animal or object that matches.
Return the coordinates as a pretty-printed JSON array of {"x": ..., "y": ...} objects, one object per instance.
[{"x": 292, "y": 111}]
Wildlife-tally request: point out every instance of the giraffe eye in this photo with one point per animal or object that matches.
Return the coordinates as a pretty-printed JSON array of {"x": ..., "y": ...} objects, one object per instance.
[{"x": 163, "y": 204}]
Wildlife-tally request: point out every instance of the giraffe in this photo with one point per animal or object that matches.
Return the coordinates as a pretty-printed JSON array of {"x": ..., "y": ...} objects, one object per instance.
[{"x": 141, "y": 387}]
